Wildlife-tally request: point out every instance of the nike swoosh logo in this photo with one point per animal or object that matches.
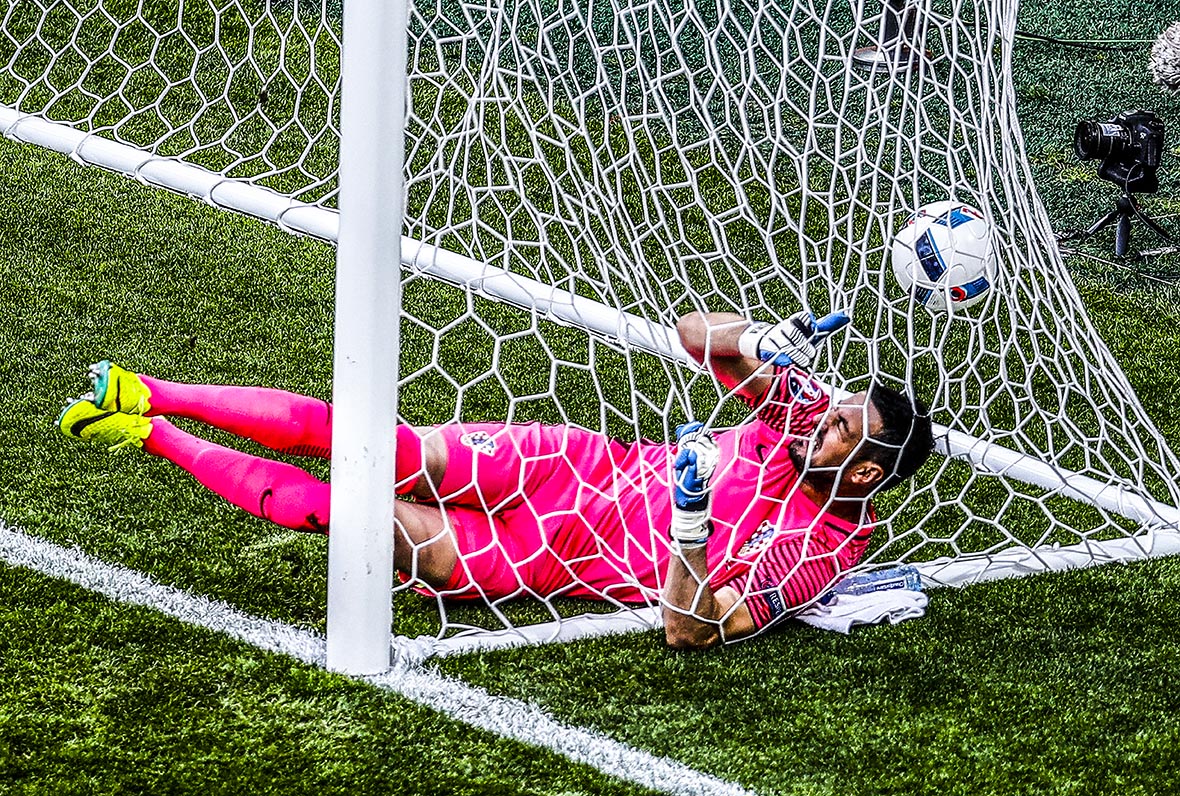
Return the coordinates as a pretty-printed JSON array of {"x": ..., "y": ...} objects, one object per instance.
[
  {"x": 262, "y": 503},
  {"x": 80, "y": 425}
]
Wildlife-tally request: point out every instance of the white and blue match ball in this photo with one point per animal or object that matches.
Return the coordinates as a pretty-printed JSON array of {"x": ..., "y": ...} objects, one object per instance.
[{"x": 944, "y": 256}]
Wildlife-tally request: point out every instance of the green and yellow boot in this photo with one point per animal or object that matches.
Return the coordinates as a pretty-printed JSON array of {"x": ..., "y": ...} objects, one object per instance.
[
  {"x": 83, "y": 419},
  {"x": 119, "y": 390}
]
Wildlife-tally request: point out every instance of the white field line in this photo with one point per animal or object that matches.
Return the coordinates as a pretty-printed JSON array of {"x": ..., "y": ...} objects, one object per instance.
[{"x": 508, "y": 718}]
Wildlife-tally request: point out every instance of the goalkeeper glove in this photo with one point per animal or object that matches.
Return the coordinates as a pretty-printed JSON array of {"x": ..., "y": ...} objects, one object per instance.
[
  {"x": 789, "y": 342},
  {"x": 697, "y": 456}
]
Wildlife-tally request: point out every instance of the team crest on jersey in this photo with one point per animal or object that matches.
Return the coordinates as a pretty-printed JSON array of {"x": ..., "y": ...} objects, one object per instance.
[
  {"x": 480, "y": 442},
  {"x": 758, "y": 541},
  {"x": 802, "y": 389}
]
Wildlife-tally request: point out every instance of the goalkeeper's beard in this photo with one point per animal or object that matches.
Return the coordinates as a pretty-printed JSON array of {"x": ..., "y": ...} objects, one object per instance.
[{"x": 799, "y": 452}]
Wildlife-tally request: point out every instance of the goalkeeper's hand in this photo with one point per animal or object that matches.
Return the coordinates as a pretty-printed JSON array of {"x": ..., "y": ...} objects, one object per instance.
[
  {"x": 789, "y": 342},
  {"x": 697, "y": 456}
]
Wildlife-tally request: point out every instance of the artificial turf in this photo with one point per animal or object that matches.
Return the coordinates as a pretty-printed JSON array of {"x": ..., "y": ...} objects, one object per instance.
[{"x": 1063, "y": 683}]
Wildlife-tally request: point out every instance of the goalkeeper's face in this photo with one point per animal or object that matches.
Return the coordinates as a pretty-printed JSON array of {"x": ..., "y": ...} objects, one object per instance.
[{"x": 830, "y": 452}]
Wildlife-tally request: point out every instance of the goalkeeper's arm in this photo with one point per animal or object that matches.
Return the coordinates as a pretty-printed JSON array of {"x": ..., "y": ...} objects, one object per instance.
[
  {"x": 696, "y": 617},
  {"x": 737, "y": 350}
]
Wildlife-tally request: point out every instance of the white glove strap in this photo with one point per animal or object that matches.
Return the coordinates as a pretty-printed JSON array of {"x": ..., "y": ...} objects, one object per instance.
[
  {"x": 680, "y": 548},
  {"x": 690, "y": 528},
  {"x": 749, "y": 339}
]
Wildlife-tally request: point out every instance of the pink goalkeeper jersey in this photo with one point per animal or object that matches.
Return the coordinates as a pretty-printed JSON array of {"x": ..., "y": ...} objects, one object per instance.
[{"x": 553, "y": 510}]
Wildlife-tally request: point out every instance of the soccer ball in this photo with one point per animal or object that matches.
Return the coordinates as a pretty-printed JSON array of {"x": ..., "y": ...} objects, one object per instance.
[{"x": 943, "y": 256}]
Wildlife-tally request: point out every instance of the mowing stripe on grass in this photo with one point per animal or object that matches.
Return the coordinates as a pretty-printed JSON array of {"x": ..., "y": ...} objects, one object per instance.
[{"x": 508, "y": 718}]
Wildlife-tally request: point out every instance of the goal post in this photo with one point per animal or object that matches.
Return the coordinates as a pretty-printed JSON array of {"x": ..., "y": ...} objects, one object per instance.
[
  {"x": 579, "y": 174},
  {"x": 365, "y": 355}
]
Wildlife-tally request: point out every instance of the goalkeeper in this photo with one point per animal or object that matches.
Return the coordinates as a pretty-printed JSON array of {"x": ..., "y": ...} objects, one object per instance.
[{"x": 729, "y": 531}]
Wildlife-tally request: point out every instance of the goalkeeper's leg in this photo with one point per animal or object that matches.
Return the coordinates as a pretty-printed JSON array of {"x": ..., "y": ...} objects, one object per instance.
[
  {"x": 283, "y": 421},
  {"x": 275, "y": 491},
  {"x": 424, "y": 547},
  {"x": 280, "y": 420}
]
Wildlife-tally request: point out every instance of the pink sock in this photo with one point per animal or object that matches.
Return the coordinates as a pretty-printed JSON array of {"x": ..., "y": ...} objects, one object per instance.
[
  {"x": 280, "y": 420},
  {"x": 283, "y": 421},
  {"x": 281, "y": 493}
]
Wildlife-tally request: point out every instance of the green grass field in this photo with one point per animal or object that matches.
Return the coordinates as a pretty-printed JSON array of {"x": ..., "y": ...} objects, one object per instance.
[{"x": 1060, "y": 684}]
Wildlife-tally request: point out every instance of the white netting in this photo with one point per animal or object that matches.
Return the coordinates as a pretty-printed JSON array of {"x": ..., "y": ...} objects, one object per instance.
[{"x": 652, "y": 158}]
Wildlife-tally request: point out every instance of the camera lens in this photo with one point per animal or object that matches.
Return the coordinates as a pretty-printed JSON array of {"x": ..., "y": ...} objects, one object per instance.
[
  {"x": 1085, "y": 139},
  {"x": 1099, "y": 139}
]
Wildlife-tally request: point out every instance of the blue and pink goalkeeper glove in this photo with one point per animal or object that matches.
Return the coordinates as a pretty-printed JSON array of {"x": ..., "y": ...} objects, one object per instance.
[{"x": 697, "y": 455}]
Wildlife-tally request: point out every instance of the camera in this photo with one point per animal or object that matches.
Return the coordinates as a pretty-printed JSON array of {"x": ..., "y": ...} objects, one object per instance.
[{"x": 1131, "y": 145}]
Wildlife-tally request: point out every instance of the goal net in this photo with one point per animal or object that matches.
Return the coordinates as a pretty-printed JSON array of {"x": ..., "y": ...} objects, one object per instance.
[{"x": 580, "y": 174}]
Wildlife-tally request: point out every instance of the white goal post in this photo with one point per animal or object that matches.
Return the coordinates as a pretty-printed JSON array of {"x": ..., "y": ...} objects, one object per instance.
[
  {"x": 365, "y": 344},
  {"x": 608, "y": 167}
]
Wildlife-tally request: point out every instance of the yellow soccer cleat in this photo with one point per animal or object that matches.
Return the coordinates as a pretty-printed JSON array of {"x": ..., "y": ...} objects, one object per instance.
[
  {"x": 82, "y": 419},
  {"x": 119, "y": 390}
]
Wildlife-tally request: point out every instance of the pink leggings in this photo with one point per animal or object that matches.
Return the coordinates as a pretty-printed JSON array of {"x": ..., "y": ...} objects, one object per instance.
[{"x": 282, "y": 421}]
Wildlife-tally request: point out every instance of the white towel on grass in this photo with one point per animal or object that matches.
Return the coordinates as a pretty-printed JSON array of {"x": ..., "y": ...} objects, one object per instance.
[{"x": 847, "y": 610}]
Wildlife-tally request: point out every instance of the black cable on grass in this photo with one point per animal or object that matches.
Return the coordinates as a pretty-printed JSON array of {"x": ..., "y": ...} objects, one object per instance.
[
  {"x": 1130, "y": 265},
  {"x": 1106, "y": 45}
]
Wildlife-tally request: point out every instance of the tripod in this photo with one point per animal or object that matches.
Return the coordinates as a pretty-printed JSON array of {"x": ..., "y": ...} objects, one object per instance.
[
  {"x": 1126, "y": 208},
  {"x": 894, "y": 54}
]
